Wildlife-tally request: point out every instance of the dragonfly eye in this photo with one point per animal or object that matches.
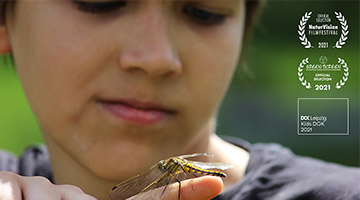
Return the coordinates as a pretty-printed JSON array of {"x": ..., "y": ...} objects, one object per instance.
[{"x": 162, "y": 165}]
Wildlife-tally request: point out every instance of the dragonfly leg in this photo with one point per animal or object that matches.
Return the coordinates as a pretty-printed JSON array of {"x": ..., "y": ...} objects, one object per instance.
[
  {"x": 177, "y": 180},
  {"x": 167, "y": 183}
]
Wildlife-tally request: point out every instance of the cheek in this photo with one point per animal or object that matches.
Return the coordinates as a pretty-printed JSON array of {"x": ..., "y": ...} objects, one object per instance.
[
  {"x": 56, "y": 66},
  {"x": 211, "y": 72}
]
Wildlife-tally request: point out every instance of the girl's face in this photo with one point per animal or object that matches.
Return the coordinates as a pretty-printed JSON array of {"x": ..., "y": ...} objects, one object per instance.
[{"x": 118, "y": 83}]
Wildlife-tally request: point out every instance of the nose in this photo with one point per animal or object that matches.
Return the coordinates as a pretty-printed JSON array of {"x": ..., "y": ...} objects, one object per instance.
[{"x": 149, "y": 48}]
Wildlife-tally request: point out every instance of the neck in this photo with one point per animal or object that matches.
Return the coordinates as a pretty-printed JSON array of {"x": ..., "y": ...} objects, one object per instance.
[{"x": 228, "y": 153}]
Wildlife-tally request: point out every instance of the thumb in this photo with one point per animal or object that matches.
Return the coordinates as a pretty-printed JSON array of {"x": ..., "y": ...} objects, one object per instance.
[{"x": 201, "y": 188}]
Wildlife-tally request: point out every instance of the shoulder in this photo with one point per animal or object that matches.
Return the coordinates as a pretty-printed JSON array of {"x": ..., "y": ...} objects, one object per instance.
[
  {"x": 274, "y": 172},
  {"x": 33, "y": 162}
]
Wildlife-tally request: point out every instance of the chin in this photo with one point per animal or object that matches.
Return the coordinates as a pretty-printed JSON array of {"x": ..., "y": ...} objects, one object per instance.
[{"x": 121, "y": 161}]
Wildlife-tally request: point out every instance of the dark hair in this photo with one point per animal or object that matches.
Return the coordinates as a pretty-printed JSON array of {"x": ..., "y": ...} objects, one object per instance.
[
  {"x": 253, "y": 8},
  {"x": 4, "y": 6}
]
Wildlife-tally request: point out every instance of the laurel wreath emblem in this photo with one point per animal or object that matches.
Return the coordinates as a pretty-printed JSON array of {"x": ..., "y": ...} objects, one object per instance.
[
  {"x": 341, "y": 41},
  {"x": 302, "y": 79},
  {"x": 301, "y": 30},
  {"x": 342, "y": 82},
  {"x": 307, "y": 84},
  {"x": 344, "y": 30}
]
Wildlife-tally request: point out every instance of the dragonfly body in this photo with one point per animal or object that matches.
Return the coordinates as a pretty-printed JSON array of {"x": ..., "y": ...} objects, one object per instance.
[
  {"x": 174, "y": 169},
  {"x": 174, "y": 164}
]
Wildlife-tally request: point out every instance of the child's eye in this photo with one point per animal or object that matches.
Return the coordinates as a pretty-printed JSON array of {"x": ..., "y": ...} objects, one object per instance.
[
  {"x": 99, "y": 7},
  {"x": 203, "y": 16}
]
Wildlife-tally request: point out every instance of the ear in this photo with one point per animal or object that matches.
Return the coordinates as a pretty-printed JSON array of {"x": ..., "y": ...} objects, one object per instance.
[{"x": 5, "y": 46}]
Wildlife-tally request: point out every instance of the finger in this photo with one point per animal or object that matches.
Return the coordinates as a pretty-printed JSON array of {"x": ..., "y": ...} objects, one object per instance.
[
  {"x": 39, "y": 188},
  {"x": 9, "y": 186},
  {"x": 70, "y": 192},
  {"x": 67, "y": 187},
  {"x": 202, "y": 188}
]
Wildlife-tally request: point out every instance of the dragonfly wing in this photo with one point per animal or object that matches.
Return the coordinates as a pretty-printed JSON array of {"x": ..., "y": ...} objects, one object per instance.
[
  {"x": 173, "y": 178},
  {"x": 210, "y": 165},
  {"x": 194, "y": 155},
  {"x": 178, "y": 176},
  {"x": 150, "y": 179},
  {"x": 164, "y": 189}
]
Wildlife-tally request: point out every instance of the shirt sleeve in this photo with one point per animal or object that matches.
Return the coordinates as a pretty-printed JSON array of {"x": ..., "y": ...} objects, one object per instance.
[
  {"x": 33, "y": 162},
  {"x": 8, "y": 162},
  {"x": 275, "y": 173}
]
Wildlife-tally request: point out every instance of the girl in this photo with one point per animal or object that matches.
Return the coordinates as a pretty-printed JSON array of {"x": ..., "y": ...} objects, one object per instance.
[{"x": 118, "y": 85}]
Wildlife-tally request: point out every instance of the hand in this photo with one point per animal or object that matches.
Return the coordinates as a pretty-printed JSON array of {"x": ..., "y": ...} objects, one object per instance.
[
  {"x": 16, "y": 187},
  {"x": 202, "y": 188}
]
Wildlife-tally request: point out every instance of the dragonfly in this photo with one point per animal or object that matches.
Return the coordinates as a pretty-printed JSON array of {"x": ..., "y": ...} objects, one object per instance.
[{"x": 165, "y": 172}]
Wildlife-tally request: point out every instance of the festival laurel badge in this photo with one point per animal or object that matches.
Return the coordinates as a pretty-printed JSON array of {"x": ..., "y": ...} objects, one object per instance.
[
  {"x": 324, "y": 28},
  {"x": 321, "y": 33},
  {"x": 323, "y": 75}
]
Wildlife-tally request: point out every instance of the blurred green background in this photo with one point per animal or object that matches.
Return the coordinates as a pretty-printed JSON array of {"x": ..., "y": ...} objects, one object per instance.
[
  {"x": 264, "y": 109},
  {"x": 261, "y": 107}
]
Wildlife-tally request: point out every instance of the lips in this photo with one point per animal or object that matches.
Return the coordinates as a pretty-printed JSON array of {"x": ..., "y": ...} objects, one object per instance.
[{"x": 136, "y": 111}]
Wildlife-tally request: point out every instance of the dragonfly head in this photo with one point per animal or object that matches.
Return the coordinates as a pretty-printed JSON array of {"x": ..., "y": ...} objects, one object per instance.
[{"x": 163, "y": 165}]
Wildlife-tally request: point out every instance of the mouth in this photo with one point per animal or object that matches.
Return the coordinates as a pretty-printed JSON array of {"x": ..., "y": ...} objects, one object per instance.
[{"x": 137, "y": 111}]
